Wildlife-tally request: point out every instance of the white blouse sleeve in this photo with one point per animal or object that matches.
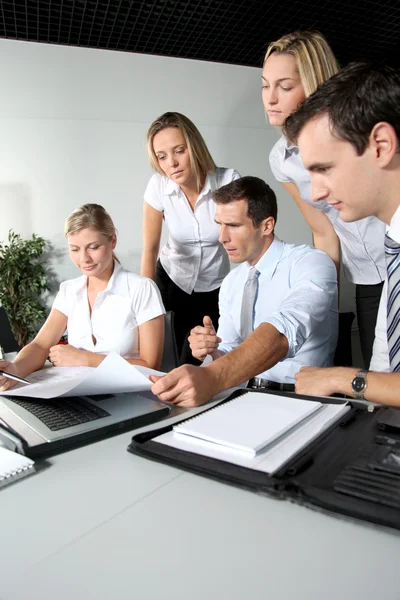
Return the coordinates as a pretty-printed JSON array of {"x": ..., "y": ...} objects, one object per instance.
[
  {"x": 147, "y": 303},
  {"x": 153, "y": 193},
  {"x": 276, "y": 167},
  {"x": 62, "y": 302}
]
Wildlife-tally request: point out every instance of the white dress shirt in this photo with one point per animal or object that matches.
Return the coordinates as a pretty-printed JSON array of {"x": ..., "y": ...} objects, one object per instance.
[
  {"x": 362, "y": 242},
  {"x": 297, "y": 294},
  {"x": 128, "y": 301},
  {"x": 192, "y": 257},
  {"x": 380, "y": 355}
]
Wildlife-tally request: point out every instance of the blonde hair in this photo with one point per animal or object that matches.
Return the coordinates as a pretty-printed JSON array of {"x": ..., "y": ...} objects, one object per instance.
[
  {"x": 315, "y": 60},
  {"x": 91, "y": 216},
  {"x": 201, "y": 160}
]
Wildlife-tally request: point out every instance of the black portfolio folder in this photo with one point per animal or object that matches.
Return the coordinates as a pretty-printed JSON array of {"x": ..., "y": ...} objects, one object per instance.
[{"x": 351, "y": 470}]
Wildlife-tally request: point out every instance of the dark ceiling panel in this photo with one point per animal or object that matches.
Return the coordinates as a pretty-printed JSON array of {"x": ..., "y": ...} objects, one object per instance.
[{"x": 236, "y": 31}]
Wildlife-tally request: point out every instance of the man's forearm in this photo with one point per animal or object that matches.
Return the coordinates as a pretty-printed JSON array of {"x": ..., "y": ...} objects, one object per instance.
[{"x": 263, "y": 349}]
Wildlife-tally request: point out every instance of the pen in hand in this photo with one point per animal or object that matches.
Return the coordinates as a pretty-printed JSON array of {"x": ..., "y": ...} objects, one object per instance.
[{"x": 14, "y": 377}]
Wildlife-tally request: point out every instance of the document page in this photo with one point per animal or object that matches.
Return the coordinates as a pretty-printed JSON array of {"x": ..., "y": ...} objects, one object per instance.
[{"x": 113, "y": 376}]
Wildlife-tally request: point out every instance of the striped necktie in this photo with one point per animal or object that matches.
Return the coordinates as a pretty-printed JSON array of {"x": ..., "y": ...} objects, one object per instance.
[
  {"x": 392, "y": 252},
  {"x": 248, "y": 300}
]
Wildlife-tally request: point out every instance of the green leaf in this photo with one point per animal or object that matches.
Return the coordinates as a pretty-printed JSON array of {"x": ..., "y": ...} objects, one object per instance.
[{"x": 22, "y": 281}]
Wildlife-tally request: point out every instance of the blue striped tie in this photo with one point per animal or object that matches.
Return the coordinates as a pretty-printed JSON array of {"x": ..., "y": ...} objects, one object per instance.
[{"x": 392, "y": 251}]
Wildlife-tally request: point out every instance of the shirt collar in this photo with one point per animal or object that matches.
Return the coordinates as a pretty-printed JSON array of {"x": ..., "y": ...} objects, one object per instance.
[
  {"x": 270, "y": 259},
  {"x": 394, "y": 228},
  {"x": 288, "y": 149},
  {"x": 171, "y": 187},
  {"x": 210, "y": 185},
  {"x": 117, "y": 284}
]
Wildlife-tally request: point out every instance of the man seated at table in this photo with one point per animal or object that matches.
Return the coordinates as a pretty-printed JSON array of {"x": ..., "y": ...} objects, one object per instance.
[
  {"x": 348, "y": 133},
  {"x": 287, "y": 294}
]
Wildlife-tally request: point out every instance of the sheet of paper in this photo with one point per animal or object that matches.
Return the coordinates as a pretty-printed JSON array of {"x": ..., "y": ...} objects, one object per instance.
[
  {"x": 113, "y": 376},
  {"x": 274, "y": 457}
]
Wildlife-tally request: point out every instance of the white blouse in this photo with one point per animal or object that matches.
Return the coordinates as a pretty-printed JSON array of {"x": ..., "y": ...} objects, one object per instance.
[
  {"x": 192, "y": 257},
  {"x": 361, "y": 242},
  {"x": 128, "y": 301}
]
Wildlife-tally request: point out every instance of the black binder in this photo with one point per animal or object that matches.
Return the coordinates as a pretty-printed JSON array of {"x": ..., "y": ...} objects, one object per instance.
[{"x": 351, "y": 470}]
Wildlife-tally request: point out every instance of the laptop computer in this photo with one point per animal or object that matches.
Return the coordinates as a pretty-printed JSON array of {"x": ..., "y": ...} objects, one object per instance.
[{"x": 38, "y": 427}]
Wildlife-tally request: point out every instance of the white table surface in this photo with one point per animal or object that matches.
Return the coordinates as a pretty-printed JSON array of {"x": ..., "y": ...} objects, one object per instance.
[{"x": 101, "y": 523}]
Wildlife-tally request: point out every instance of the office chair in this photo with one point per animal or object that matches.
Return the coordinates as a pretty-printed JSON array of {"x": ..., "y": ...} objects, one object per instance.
[
  {"x": 7, "y": 339},
  {"x": 343, "y": 353},
  {"x": 170, "y": 354}
]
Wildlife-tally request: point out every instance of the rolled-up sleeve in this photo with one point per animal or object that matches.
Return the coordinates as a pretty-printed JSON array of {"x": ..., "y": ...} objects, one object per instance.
[{"x": 313, "y": 293}]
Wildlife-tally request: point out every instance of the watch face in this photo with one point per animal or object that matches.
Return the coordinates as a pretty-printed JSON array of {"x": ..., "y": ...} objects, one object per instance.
[{"x": 358, "y": 384}]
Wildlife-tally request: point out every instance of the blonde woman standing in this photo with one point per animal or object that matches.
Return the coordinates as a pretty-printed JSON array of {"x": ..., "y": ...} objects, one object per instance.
[
  {"x": 107, "y": 309},
  {"x": 294, "y": 66},
  {"x": 192, "y": 264}
]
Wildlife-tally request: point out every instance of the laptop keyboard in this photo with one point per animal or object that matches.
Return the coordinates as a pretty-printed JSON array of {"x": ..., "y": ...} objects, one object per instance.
[{"x": 62, "y": 413}]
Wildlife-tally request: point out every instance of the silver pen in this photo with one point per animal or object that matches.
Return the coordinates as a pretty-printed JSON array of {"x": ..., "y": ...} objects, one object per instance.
[{"x": 14, "y": 377}]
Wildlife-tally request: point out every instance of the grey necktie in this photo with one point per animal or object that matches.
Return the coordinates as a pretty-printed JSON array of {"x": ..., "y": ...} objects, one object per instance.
[{"x": 247, "y": 310}]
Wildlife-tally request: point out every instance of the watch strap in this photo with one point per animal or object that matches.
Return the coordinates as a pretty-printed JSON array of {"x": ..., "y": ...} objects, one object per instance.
[{"x": 359, "y": 378}]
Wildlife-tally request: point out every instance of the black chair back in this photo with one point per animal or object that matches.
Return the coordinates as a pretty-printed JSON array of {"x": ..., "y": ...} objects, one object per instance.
[
  {"x": 343, "y": 354},
  {"x": 7, "y": 339},
  {"x": 170, "y": 358}
]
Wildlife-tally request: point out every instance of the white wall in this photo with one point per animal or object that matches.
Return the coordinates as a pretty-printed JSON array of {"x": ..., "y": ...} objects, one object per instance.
[{"x": 73, "y": 124}]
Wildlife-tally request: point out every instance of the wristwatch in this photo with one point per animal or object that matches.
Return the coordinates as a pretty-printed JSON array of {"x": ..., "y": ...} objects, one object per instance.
[{"x": 359, "y": 384}]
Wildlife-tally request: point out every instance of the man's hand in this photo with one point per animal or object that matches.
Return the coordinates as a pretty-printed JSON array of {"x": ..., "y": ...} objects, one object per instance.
[
  {"x": 318, "y": 381},
  {"x": 203, "y": 340},
  {"x": 5, "y": 382},
  {"x": 64, "y": 355},
  {"x": 185, "y": 386}
]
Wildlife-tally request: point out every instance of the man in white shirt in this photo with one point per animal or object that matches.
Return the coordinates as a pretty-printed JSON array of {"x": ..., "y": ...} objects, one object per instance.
[
  {"x": 292, "y": 309},
  {"x": 348, "y": 133}
]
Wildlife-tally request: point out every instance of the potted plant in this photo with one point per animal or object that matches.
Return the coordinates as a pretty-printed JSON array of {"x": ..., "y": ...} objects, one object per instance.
[{"x": 22, "y": 280}]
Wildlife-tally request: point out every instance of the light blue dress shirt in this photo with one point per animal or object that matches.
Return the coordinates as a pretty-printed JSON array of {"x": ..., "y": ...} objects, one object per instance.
[
  {"x": 297, "y": 294},
  {"x": 361, "y": 242}
]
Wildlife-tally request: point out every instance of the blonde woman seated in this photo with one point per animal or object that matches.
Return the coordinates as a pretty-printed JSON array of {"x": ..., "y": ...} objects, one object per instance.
[{"x": 106, "y": 310}]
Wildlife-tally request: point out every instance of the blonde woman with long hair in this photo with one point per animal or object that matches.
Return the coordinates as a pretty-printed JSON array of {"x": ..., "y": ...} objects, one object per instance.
[
  {"x": 107, "y": 309},
  {"x": 192, "y": 264},
  {"x": 294, "y": 66}
]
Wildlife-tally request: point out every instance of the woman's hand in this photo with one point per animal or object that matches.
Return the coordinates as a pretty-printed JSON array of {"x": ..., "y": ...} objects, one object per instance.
[
  {"x": 64, "y": 355},
  {"x": 5, "y": 382}
]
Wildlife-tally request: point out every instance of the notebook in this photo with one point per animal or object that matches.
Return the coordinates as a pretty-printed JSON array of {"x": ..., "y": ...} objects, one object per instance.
[
  {"x": 249, "y": 422},
  {"x": 14, "y": 466},
  {"x": 273, "y": 457}
]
